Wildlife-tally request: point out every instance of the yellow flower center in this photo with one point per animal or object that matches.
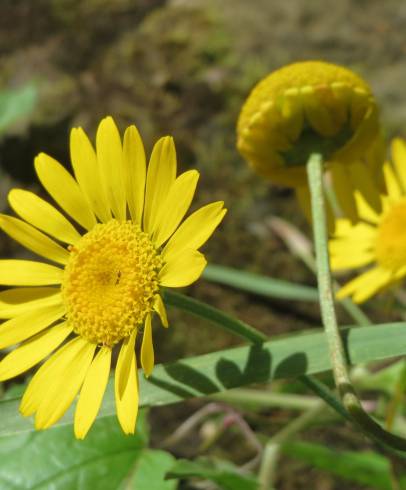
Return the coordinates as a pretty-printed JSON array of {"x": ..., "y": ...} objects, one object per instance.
[
  {"x": 391, "y": 238},
  {"x": 110, "y": 282}
]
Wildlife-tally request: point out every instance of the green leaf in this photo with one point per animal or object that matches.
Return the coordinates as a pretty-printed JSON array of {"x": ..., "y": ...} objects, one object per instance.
[
  {"x": 215, "y": 316},
  {"x": 365, "y": 468},
  {"x": 15, "y": 104},
  {"x": 55, "y": 459},
  {"x": 386, "y": 379},
  {"x": 149, "y": 472},
  {"x": 287, "y": 357},
  {"x": 226, "y": 476},
  {"x": 257, "y": 284}
]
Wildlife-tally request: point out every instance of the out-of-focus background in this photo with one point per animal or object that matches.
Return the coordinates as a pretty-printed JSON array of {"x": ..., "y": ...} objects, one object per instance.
[{"x": 184, "y": 67}]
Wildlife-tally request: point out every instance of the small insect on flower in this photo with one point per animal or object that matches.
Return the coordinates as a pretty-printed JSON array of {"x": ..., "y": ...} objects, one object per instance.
[
  {"x": 108, "y": 281},
  {"x": 379, "y": 239},
  {"x": 314, "y": 107}
]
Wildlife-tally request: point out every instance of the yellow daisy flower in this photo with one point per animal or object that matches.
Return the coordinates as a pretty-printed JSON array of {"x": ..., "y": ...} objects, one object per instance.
[
  {"x": 309, "y": 107},
  {"x": 379, "y": 239},
  {"x": 108, "y": 281}
]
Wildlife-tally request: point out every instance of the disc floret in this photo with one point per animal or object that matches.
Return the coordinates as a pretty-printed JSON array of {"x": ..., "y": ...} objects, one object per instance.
[{"x": 110, "y": 282}]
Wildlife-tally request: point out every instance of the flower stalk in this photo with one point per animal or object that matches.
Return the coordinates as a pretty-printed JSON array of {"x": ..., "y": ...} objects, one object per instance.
[{"x": 337, "y": 353}]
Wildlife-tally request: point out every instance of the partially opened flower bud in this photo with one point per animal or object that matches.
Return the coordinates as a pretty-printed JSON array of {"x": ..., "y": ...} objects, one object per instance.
[{"x": 314, "y": 107}]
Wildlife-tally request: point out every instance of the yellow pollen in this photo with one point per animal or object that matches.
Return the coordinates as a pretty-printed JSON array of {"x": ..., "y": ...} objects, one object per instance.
[
  {"x": 391, "y": 238},
  {"x": 110, "y": 282}
]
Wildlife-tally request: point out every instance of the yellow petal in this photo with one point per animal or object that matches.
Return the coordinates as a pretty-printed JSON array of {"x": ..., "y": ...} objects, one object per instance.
[
  {"x": 348, "y": 259},
  {"x": 24, "y": 326},
  {"x": 343, "y": 191},
  {"x": 33, "y": 351},
  {"x": 343, "y": 228},
  {"x": 400, "y": 273},
  {"x": 28, "y": 273},
  {"x": 317, "y": 114},
  {"x": 265, "y": 132},
  {"x": 159, "y": 307},
  {"x": 43, "y": 378},
  {"x": 147, "y": 348},
  {"x": 33, "y": 239},
  {"x": 399, "y": 160},
  {"x": 160, "y": 176},
  {"x": 135, "y": 171},
  {"x": 91, "y": 394},
  {"x": 195, "y": 230},
  {"x": 365, "y": 285},
  {"x": 60, "y": 184},
  {"x": 17, "y": 301},
  {"x": 292, "y": 112},
  {"x": 364, "y": 183},
  {"x": 42, "y": 215},
  {"x": 350, "y": 246},
  {"x": 64, "y": 388},
  {"x": 392, "y": 183},
  {"x": 110, "y": 158},
  {"x": 127, "y": 405},
  {"x": 359, "y": 105},
  {"x": 175, "y": 206},
  {"x": 182, "y": 269},
  {"x": 364, "y": 210},
  {"x": 85, "y": 168},
  {"x": 372, "y": 285},
  {"x": 127, "y": 353},
  {"x": 361, "y": 232}
]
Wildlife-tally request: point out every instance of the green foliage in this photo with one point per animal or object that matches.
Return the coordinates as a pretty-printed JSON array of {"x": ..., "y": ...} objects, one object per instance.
[
  {"x": 107, "y": 459},
  {"x": 223, "y": 474},
  {"x": 197, "y": 376},
  {"x": 149, "y": 471},
  {"x": 261, "y": 285},
  {"x": 386, "y": 380},
  {"x": 215, "y": 316},
  {"x": 365, "y": 468},
  {"x": 55, "y": 459},
  {"x": 15, "y": 104}
]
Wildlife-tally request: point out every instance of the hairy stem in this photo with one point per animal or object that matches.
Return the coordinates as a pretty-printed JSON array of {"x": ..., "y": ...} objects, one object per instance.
[{"x": 337, "y": 354}]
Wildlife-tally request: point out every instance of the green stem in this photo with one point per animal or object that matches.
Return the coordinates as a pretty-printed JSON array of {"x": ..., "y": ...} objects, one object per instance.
[
  {"x": 325, "y": 393},
  {"x": 260, "y": 399},
  {"x": 221, "y": 319},
  {"x": 336, "y": 348}
]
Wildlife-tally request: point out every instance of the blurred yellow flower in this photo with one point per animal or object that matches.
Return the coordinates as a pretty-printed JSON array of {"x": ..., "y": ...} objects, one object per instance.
[
  {"x": 309, "y": 107},
  {"x": 378, "y": 240},
  {"x": 108, "y": 281}
]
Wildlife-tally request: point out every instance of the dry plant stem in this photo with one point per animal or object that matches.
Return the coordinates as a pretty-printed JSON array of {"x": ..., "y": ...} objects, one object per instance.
[
  {"x": 190, "y": 423},
  {"x": 231, "y": 417},
  {"x": 336, "y": 348}
]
